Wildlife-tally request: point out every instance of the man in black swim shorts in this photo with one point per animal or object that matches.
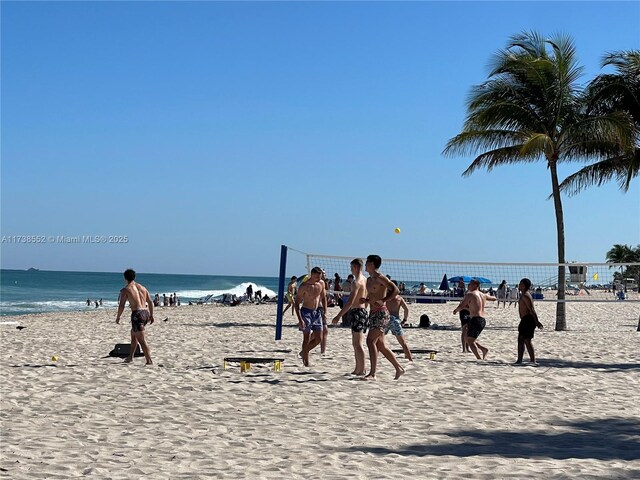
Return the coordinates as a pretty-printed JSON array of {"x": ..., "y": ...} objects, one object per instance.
[
  {"x": 474, "y": 301},
  {"x": 528, "y": 322},
  {"x": 357, "y": 315},
  {"x": 139, "y": 300}
]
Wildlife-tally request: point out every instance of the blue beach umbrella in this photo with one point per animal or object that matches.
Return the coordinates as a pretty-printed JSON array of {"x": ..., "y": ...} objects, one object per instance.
[{"x": 467, "y": 279}]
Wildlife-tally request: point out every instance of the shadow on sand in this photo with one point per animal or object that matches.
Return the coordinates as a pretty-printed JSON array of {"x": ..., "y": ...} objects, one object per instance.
[
  {"x": 610, "y": 367},
  {"x": 604, "y": 439}
]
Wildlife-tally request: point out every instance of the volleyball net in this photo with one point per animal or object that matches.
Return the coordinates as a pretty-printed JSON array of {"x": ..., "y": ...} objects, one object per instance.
[{"x": 429, "y": 281}]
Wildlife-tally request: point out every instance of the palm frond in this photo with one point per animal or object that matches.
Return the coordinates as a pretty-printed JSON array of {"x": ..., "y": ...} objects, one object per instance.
[
  {"x": 500, "y": 156},
  {"x": 470, "y": 141},
  {"x": 622, "y": 168}
]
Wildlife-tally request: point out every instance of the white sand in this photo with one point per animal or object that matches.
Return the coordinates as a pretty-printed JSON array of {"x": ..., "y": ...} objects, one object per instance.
[{"x": 577, "y": 415}]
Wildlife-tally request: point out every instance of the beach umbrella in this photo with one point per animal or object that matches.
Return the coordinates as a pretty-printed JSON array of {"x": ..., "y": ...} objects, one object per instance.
[
  {"x": 444, "y": 284},
  {"x": 457, "y": 278},
  {"x": 467, "y": 279}
]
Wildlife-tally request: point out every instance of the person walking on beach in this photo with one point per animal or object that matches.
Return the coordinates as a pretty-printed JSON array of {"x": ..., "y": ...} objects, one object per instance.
[
  {"x": 395, "y": 324},
  {"x": 141, "y": 313},
  {"x": 355, "y": 315},
  {"x": 528, "y": 322},
  {"x": 291, "y": 294},
  {"x": 475, "y": 301},
  {"x": 313, "y": 297},
  {"x": 380, "y": 290}
]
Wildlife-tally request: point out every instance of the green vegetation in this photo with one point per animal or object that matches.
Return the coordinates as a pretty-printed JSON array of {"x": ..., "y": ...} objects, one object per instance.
[{"x": 532, "y": 109}]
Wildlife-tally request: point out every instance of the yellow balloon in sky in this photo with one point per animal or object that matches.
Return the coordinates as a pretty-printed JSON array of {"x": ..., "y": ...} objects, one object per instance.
[{"x": 397, "y": 230}]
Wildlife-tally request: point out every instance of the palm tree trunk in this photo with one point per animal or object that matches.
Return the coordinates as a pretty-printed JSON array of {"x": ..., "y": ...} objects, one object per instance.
[{"x": 561, "y": 321}]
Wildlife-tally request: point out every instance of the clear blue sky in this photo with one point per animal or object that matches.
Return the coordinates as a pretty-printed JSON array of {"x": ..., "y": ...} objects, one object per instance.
[{"x": 210, "y": 133}]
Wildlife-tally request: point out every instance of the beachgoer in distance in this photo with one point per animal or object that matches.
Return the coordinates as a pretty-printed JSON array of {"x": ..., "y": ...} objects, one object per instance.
[
  {"x": 514, "y": 296},
  {"x": 291, "y": 294},
  {"x": 346, "y": 290},
  {"x": 423, "y": 289},
  {"x": 355, "y": 314},
  {"x": 528, "y": 321},
  {"x": 475, "y": 301},
  {"x": 380, "y": 290},
  {"x": 395, "y": 324},
  {"x": 502, "y": 294},
  {"x": 461, "y": 287},
  {"x": 310, "y": 318},
  {"x": 250, "y": 292},
  {"x": 141, "y": 313}
]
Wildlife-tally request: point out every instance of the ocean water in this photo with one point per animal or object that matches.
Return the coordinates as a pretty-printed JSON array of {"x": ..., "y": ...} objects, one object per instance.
[{"x": 28, "y": 291}]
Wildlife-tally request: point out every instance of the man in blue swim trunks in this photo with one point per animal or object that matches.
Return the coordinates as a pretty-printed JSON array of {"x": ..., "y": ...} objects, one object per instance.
[
  {"x": 395, "y": 324},
  {"x": 311, "y": 295},
  {"x": 356, "y": 315},
  {"x": 139, "y": 300}
]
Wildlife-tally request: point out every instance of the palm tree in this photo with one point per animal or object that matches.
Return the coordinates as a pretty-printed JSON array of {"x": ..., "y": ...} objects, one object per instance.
[
  {"x": 608, "y": 93},
  {"x": 621, "y": 254},
  {"x": 531, "y": 109}
]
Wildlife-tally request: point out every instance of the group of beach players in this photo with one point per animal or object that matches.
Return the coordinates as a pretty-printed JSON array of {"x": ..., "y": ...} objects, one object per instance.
[
  {"x": 373, "y": 308},
  {"x": 471, "y": 311},
  {"x": 377, "y": 293}
]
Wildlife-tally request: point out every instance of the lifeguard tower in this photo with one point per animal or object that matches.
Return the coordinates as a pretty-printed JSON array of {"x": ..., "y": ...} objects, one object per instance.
[{"x": 578, "y": 273}]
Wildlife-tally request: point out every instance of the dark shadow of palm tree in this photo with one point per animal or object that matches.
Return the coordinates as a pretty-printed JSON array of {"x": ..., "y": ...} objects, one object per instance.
[{"x": 603, "y": 439}]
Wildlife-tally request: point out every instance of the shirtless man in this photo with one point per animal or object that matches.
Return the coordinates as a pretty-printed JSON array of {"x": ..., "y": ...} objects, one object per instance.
[
  {"x": 139, "y": 300},
  {"x": 291, "y": 295},
  {"x": 474, "y": 301},
  {"x": 395, "y": 325},
  {"x": 380, "y": 290},
  {"x": 310, "y": 318},
  {"x": 528, "y": 321},
  {"x": 355, "y": 314}
]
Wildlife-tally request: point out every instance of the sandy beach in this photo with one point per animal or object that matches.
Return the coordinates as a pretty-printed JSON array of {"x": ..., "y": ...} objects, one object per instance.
[{"x": 576, "y": 415}]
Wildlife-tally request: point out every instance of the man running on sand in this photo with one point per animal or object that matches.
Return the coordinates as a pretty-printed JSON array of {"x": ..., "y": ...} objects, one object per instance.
[
  {"x": 395, "y": 325},
  {"x": 528, "y": 321},
  {"x": 139, "y": 300},
  {"x": 355, "y": 314},
  {"x": 310, "y": 318},
  {"x": 475, "y": 301},
  {"x": 380, "y": 290}
]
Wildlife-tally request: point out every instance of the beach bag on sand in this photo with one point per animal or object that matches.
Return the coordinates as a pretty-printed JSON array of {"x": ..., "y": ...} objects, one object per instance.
[
  {"x": 424, "y": 321},
  {"x": 122, "y": 350}
]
